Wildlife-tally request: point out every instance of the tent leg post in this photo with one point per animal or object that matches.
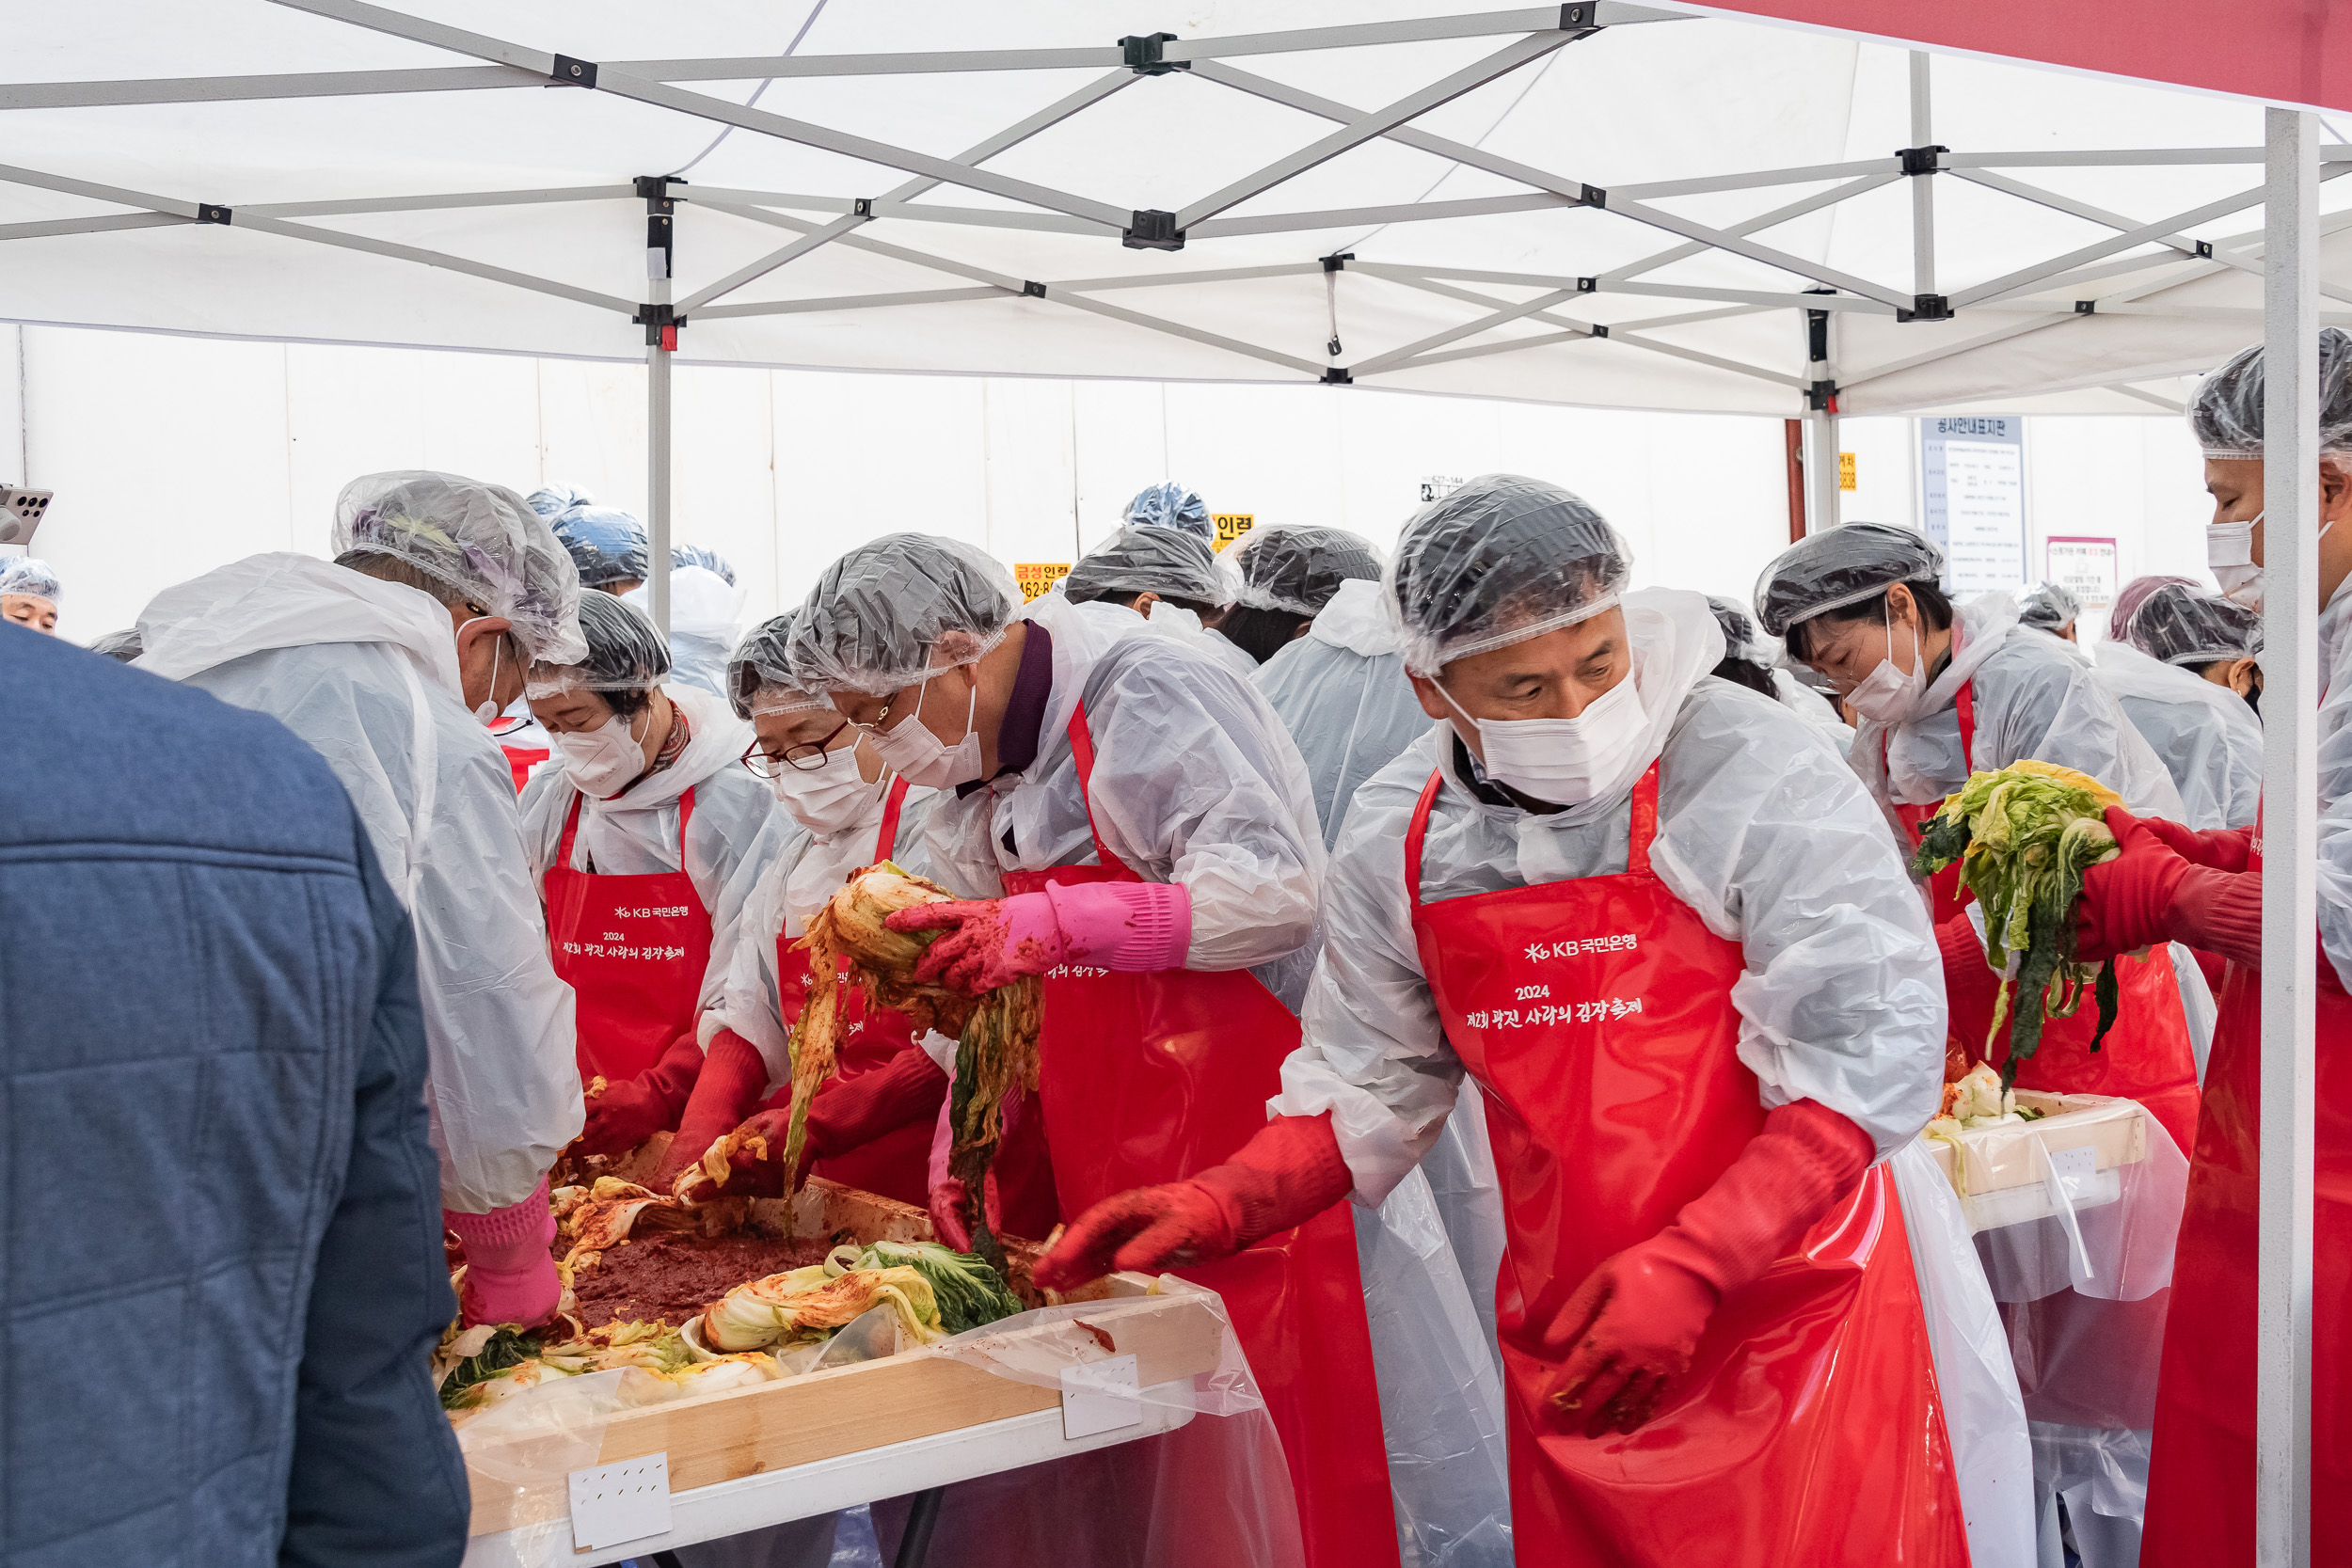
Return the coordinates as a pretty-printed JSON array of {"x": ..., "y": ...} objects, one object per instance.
[
  {"x": 2282, "y": 1408},
  {"x": 658, "y": 479},
  {"x": 1820, "y": 471}
]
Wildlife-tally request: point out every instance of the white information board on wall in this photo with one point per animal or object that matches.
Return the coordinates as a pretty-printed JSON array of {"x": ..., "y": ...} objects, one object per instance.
[
  {"x": 2084, "y": 567},
  {"x": 1973, "y": 477}
]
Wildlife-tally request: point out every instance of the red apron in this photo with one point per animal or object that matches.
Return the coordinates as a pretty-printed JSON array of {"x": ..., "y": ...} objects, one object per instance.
[
  {"x": 2146, "y": 1056},
  {"x": 1597, "y": 1016},
  {"x": 1150, "y": 1078},
  {"x": 893, "y": 1165},
  {"x": 633, "y": 949},
  {"x": 520, "y": 760},
  {"x": 2201, "y": 1479}
]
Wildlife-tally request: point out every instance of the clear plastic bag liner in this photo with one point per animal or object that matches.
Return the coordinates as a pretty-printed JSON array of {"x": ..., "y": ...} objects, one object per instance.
[
  {"x": 1440, "y": 1393},
  {"x": 2118, "y": 1249},
  {"x": 1984, "y": 1416},
  {"x": 532, "y": 1442},
  {"x": 2105, "y": 1470}
]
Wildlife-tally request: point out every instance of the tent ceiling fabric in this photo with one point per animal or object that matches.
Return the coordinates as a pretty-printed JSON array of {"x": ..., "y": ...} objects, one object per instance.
[{"x": 1534, "y": 212}]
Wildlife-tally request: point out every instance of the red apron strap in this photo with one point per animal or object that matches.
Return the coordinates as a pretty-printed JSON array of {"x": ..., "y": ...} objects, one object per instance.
[
  {"x": 886, "y": 841},
  {"x": 1968, "y": 706},
  {"x": 571, "y": 825},
  {"x": 1416, "y": 832},
  {"x": 1082, "y": 749},
  {"x": 685, "y": 815},
  {"x": 1645, "y": 822}
]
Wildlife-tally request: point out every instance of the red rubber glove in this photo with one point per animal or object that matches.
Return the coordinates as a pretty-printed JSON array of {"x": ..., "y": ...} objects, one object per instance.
[
  {"x": 1139, "y": 928},
  {"x": 1639, "y": 1316},
  {"x": 510, "y": 1274},
  {"x": 1285, "y": 1176},
  {"x": 845, "y": 1115},
  {"x": 732, "y": 1076},
  {"x": 629, "y": 1111},
  {"x": 2150, "y": 894},
  {"x": 2222, "y": 849}
]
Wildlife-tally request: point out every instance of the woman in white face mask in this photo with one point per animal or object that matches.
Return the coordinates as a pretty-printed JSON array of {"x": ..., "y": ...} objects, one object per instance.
[
  {"x": 645, "y": 838},
  {"x": 843, "y": 809}
]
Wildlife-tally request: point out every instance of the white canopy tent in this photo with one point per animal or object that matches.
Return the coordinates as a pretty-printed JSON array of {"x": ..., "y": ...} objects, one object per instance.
[{"x": 1595, "y": 202}]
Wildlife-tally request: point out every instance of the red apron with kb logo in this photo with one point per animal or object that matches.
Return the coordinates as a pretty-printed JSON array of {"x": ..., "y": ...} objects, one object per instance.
[
  {"x": 633, "y": 949},
  {"x": 2146, "y": 1056},
  {"x": 1153, "y": 1078},
  {"x": 1597, "y": 1015}
]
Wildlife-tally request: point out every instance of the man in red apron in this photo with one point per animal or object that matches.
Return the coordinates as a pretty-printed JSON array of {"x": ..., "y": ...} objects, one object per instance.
[
  {"x": 1619, "y": 894},
  {"x": 1154, "y": 832},
  {"x": 1944, "y": 690},
  {"x": 2204, "y": 889},
  {"x": 646, "y": 838}
]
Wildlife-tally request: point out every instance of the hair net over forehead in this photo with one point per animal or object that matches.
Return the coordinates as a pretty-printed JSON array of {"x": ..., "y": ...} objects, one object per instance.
[
  {"x": 900, "y": 610},
  {"x": 608, "y": 546},
  {"x": 482, "y": 540},
  {"x": 2184, "y": 625},
  {"x": 1170, "y": 505},
  {"x": 626, "y": 652},
  {"x": 1499, "y": 561},
  {"x": 1840, "y": 566},
  {"x": 759, "y": 676},
  {"x": 2049, "y": 606},
  {"x": 703, "y": 556},
  {"x": 2225, "y": 413},
  {"x": 1299, "y": 569},
  {"x": 553, "y": 500},
  {"x": 29, "y": 576},
  {"x": 2128, "y": 599},
  {"x": 1163, "y": 560}
]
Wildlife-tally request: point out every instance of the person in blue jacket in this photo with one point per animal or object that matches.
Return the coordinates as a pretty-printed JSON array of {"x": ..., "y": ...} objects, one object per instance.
[{"x": 221, "y": 1274}]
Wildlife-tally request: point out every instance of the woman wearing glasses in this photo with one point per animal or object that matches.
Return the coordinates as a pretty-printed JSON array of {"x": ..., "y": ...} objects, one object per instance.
[{"x": 645, "y": 838}]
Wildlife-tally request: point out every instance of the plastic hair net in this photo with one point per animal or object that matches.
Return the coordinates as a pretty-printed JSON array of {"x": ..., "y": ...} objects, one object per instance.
[
  {"x": 553, "y": 500},
  {"x": 703, "y": 556},
  {"x": 2048, "y": 607},
  {"x": 2225, "y": 413},
  {"x": 1499, "y": 561},
  {"x": 1740, "y": 639},
  {"x": 1299, "y": 569},
  {"x": 1164, "y": 561},
  {"x": 482, "y": 540},
  {"x": 1841, "y": 566},
  {"x": 900, "y": 610},
  {"x": 608, "y": 546},
  {"x": 759, "y": 676},
  {"x": 123, "y": 645},
  {"x": 32, "y": 577},
  {"x": 626, "y": 653},
  {"x": 1170, "y": 505},
  {"x": 2128, "y": 599},
  {"x": 2183, "y": 624}
]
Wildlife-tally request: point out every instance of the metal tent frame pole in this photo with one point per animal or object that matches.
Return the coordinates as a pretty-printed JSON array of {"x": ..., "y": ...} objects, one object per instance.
[
  {"x": 660, "y": 347},
  {"x": 2289, "y": 841}
]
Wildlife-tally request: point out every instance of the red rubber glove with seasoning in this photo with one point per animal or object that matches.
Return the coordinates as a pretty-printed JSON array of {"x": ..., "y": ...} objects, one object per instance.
[
  {"x": 628, "y": 1112},
  {"x": 1137, "y": 927},
  {"x": 845, "y": 1115},
  {"x": 510, "y": 1274},
  {"x": 1286, "y": 1174},
  {"x": 732, "y": 1075},
  {"x": 1635, "y": 1322}
]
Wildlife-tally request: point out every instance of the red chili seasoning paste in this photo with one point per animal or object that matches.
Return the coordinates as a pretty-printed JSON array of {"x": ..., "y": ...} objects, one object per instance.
[{"x": 669, "y": 1277}]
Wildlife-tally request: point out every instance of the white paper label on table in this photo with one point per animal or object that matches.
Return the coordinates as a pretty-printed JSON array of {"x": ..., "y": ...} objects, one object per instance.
[
  {"x": 2077, "y": 1169},
  {"x": 612, "y": 1503},
  {"x": 1100, "y": 1396}
]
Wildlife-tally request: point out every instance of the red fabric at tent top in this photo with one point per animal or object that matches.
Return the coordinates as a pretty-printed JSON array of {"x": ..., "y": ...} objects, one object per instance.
[{"x": 2288, "y": 52}]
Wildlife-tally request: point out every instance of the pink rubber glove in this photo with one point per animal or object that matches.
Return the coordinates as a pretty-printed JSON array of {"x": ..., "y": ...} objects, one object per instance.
[
  {"x": 1642, "y": 1312},
  {"x": 1137, "y": 927},
  {"x": 1286, "y": 1174},
  {"x": 510, "y": 1274},
  {"x": 947, "y": 1192},
  {"x": 732, "y": 1075}
]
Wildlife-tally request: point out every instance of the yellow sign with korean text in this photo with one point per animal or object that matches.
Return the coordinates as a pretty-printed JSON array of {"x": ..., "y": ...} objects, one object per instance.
[
  {"x": 1231, "y": 525},
  {"x": 1845, "y": 470},
  {"x": 1036, "y": 577}
]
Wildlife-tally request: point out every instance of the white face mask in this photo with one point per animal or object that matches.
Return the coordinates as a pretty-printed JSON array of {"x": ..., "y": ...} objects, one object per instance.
[
  {"x": 921, "y": 757},
  {"x": 1564, "y": 761},
  {"x": 2229, "y": 552},
  {"x": 604, "y": 761},
  {"x": 1889, "y": 694},
  {"x": 828, "y": 799},
  {"x": 487, "y": 710}
]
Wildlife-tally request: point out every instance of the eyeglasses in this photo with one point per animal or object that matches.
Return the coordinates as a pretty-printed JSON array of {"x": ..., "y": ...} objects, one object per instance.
[{"x": 808, "y": 756}]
